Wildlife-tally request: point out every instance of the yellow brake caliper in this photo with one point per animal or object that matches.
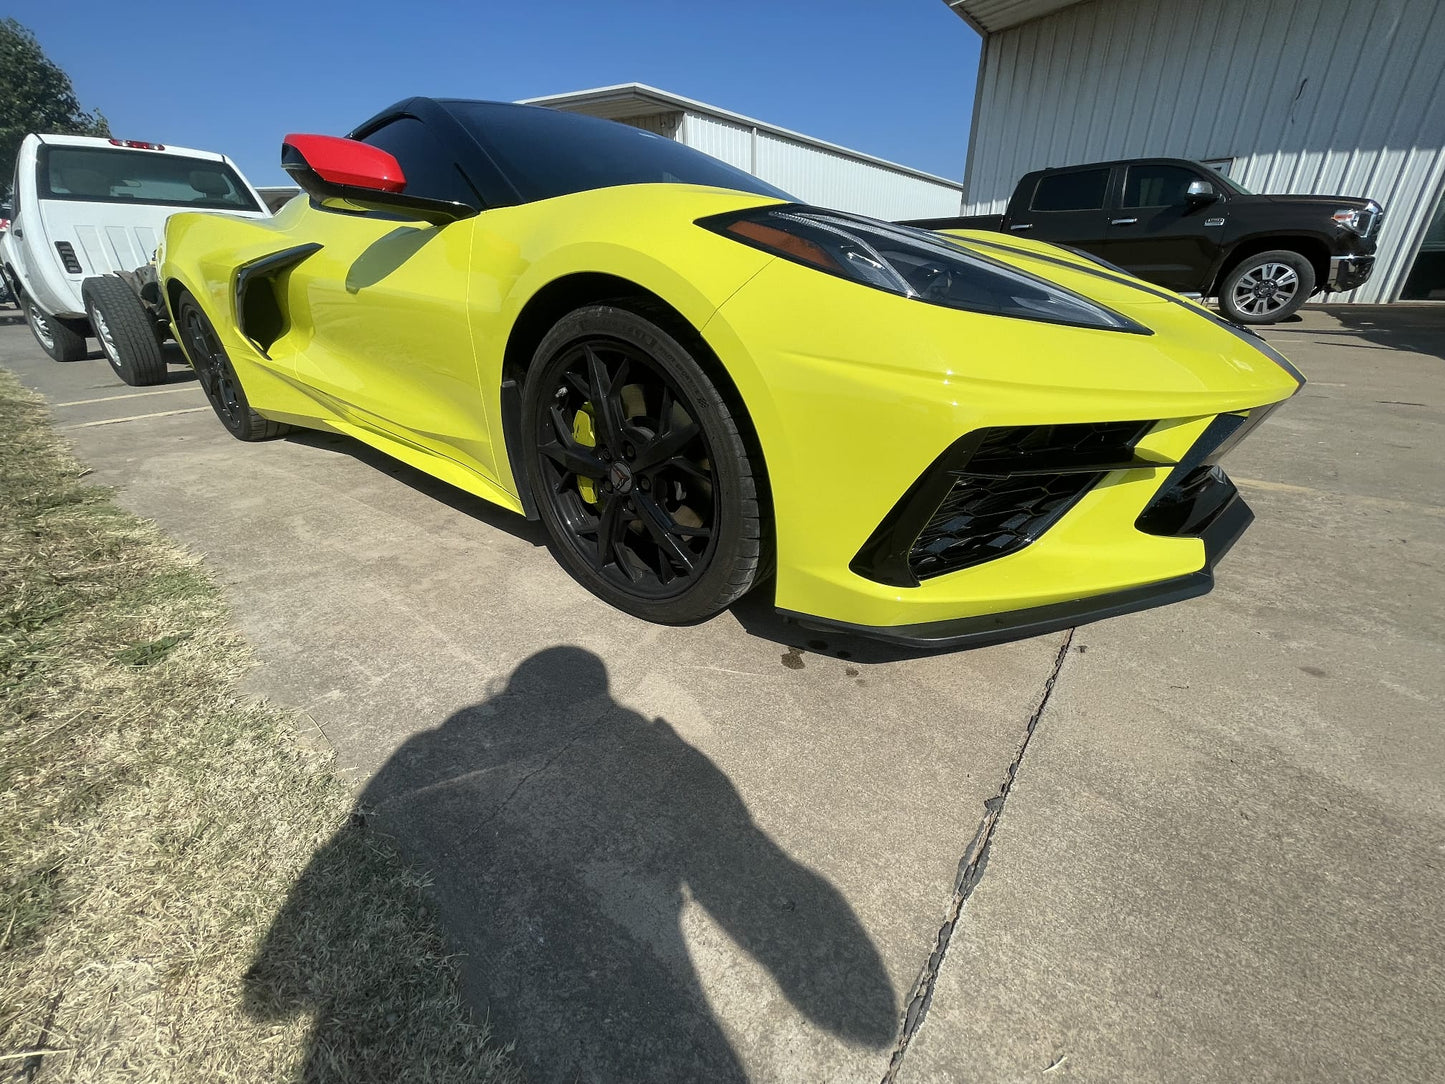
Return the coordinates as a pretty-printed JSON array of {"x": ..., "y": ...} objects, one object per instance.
[{"x": 585, "y": 435}]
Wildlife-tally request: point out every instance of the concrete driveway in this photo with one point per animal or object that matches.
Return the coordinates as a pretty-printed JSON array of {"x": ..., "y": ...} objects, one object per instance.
[{"x": 1199, "y": 843}]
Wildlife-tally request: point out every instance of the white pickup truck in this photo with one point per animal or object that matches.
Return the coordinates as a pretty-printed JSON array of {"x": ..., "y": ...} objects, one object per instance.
[{"x": 87, "y": 215}]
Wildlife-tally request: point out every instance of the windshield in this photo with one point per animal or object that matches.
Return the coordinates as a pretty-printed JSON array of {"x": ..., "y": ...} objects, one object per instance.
[
  {"x": 114, "y": 175},
  {"x": 547, "y": 153}
]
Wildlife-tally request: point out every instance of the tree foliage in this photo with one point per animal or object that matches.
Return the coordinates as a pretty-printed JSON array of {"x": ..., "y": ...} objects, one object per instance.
[{"x": 35, "y": 96}]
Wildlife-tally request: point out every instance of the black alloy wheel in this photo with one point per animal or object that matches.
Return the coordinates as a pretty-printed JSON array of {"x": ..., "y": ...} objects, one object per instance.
[
  {"x": 218, "y": 377},
  {"x": 638, "y": 469}
]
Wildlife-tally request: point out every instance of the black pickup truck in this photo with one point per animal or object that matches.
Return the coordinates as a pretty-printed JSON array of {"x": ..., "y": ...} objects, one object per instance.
[{"x": 1182, "y": 225}]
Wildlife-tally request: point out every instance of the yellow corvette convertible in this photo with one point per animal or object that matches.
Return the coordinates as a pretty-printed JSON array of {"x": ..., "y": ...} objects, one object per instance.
[{"x": 699, "y": 384}]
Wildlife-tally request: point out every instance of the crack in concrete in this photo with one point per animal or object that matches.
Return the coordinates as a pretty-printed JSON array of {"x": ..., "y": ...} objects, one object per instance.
[{"x": 970, "y": 871}]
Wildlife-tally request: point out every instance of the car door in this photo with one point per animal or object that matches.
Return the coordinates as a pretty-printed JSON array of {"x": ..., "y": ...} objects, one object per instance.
[
  {"x": 1067, "y": 208},
  {"x": 1158, "y": 234},
  {"x": 387, "y": 297}
]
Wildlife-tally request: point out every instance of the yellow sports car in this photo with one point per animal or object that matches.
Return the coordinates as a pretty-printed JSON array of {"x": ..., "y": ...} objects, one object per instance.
[{"x": 699, "y": 384}]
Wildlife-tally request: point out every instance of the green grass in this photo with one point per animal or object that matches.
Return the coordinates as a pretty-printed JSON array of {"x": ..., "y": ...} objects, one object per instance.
[{"x": 185, "y": 894}]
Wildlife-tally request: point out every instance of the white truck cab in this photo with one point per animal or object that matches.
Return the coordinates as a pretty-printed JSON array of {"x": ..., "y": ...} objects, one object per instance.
[{"x": 87, "y": 208}]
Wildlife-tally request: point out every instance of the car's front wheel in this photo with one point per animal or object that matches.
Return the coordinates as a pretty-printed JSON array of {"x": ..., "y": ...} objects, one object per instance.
[
  {"x": 126, "y": 332},
  {"x": 1267, "y": 287},
  {"x": 218, "y": 376},
  {"x": 56, "y": 337},
  {"x": 639, "y": 470}
]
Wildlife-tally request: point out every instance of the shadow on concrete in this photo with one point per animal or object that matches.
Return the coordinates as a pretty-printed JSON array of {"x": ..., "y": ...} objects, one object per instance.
[
  {"x": 755, "y": 612},
  {"x": 459, "y": 500},
  {"x": 1419, "y": 328},
  {"x": 758, "y": 617},
  {"x": 565, "y": 835}
]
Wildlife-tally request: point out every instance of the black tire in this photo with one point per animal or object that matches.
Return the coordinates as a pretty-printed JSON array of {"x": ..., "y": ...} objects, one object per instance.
[
  {"x": 217, "y": 376},
  {"x": 1267, "y": 287},
  {"x": 659, "y": 515},
  {"x": 57, "y": 337},
  {"x": 126, "y": 331}
]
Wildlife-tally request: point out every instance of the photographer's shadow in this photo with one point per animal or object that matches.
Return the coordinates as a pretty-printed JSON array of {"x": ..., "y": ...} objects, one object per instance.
[{"x": 564, "y": 833}]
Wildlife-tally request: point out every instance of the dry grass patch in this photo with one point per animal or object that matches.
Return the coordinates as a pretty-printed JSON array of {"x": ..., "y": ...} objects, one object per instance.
[{"x": 155, "y": 825}]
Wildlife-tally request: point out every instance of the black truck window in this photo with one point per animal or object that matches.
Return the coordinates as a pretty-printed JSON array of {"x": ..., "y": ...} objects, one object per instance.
[
  {"x": 1158, "y": 186},
  {"x": 1080, "y": 191}
]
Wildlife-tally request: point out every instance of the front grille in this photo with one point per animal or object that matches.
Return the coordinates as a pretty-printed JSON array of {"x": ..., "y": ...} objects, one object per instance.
[
  {"x": 1014, "y": 488},
  {"x": 67, "y": 256},
  {"x": 991, "y": 493},
  {"x": 980, "y": 520}
]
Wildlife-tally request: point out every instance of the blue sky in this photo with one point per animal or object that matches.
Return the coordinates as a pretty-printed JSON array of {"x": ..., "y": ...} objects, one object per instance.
[{"x": 892, "y": 78}]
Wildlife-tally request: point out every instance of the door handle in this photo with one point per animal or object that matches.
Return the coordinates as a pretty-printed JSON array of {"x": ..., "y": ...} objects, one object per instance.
[
  {"x": 18, "y": 232},
  {"x": 1022, "y": 226},
  {"x": 1122, "y": 221}
]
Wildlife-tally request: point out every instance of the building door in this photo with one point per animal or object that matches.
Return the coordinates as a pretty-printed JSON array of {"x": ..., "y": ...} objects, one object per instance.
[{"x": 1426, "y": 281}]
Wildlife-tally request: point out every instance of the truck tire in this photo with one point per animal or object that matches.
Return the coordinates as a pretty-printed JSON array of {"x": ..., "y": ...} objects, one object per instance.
[
  {"x": 126, "y": 331},
  {"x": 1267, "y": 287},
  {"x": 56, "y": 337},
  {"x": 218, "y": 378}
]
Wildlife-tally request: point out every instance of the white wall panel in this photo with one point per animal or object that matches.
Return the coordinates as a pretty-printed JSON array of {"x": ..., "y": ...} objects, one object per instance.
[
  {"x": 730, "y": 142},
  {"x": 1345, "y": 97},
  {"x": 816, "y": 175},
  {"x": 833, "y": 180}
]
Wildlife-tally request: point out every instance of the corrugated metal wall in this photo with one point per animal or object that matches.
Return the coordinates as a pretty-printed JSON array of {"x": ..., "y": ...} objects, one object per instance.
[
  {"x": 816, "y": 175},
  {"x": 1345, "y": 97},
  {"x": 663, "y": 124}
]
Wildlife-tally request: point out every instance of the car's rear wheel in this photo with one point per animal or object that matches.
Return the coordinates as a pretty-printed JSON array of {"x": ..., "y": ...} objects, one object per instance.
[
  {"x": 218, "y": 376},
  {"x": 126, "y": 331},
  {"x": 639, "y": 470},
  {"x": 1267, "y": 287},
  {"x": 56, "y": 337}
]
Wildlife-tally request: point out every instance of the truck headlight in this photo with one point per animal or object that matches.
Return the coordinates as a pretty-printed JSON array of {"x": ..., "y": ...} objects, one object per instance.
[{"x": 1360, "y": 220}]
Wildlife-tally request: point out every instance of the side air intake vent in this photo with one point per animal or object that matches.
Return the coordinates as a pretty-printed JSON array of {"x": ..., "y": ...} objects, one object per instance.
[{"x": 68, "y": 257}]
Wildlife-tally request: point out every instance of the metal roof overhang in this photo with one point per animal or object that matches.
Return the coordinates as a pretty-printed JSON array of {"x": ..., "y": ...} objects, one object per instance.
[{"x": 991, "y": 16}]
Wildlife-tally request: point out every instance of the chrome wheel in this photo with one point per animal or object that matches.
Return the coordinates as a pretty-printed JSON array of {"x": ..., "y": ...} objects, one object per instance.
[
  {"x": 103, "y": 333},
  {"x": 1266, "y": 289},
  {"x": 40, "y": 324}
]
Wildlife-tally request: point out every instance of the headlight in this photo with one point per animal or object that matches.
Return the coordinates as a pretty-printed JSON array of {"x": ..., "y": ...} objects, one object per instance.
[
  {"x": 1359, "y": 220},
  {"x": 911, "y": 263}
]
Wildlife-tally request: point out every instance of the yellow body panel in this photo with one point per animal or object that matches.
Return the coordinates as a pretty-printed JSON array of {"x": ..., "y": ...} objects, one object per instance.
[{"x": 398, "y": 333}]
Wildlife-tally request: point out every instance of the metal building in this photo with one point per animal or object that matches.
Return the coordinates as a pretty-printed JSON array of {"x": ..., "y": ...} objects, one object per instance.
[
  {"x": 1340, "y": 97},
  {"x": 811, "y": 169}
]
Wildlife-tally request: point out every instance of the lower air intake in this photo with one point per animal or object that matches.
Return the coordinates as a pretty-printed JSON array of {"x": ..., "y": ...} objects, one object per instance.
[
  {"x": 992, "y": 493},
  {"x": 1014, "y": 488}
]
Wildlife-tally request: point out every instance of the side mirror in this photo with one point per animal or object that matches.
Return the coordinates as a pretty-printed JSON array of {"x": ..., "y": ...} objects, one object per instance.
[
  {"x": 1200, "y": 192},
  {"x": 349, "y": 175}
]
